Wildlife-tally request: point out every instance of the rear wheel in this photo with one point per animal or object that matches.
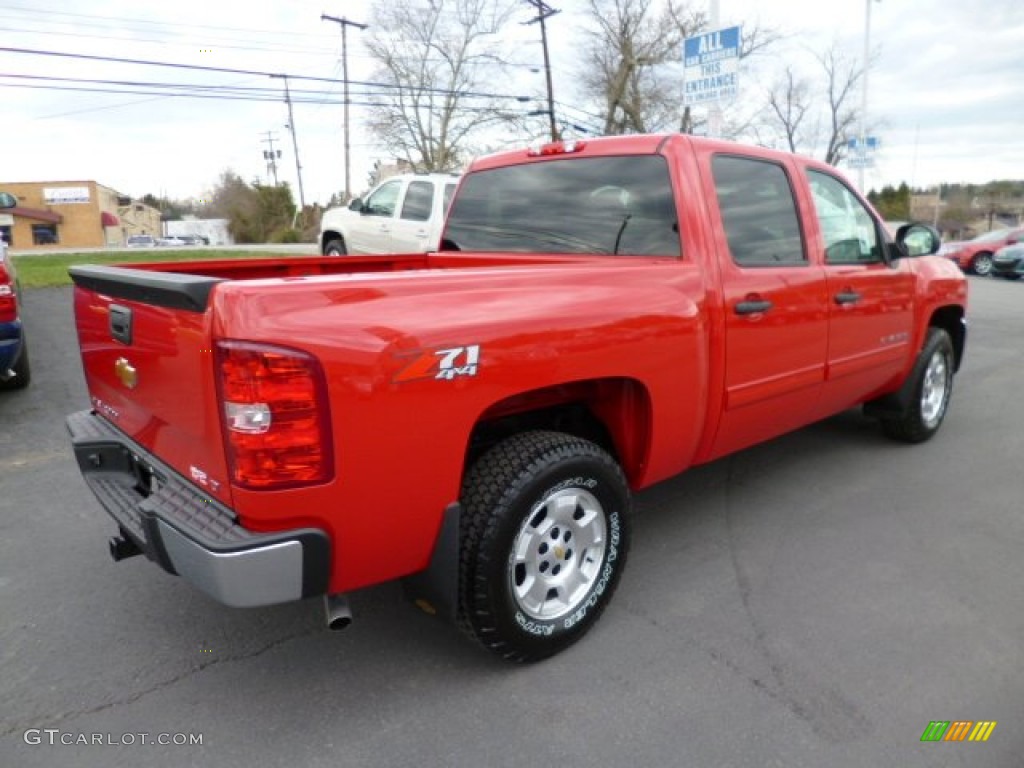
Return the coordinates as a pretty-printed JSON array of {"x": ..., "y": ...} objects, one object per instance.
[
  {"x": 335, "y": 247},
  {"x": 933, "y": 385},
  {"x": 544, "y": 540},
  {"x": 982, "y": 264},
  {"x": 22, "y": 371}
]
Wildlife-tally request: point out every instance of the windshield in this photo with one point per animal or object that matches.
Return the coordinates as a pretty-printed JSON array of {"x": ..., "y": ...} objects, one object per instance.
[{"x": 600, "y": 205}]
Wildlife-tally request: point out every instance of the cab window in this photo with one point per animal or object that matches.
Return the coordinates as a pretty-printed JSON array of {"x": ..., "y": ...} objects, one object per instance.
[
  {"x": 758, "y": 212},
  {"x": 384, "y": 201},
  {"x": 847, "y": 228},
  {"x": 419, "y": 200}
]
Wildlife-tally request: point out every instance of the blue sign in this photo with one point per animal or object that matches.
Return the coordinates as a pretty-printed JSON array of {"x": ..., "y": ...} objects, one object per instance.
[{"x": 710, "y": 66}]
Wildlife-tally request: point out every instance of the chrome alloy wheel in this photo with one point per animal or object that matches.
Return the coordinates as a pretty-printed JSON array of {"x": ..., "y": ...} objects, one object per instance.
[
  {"x": 935, "y": 389},
  {"x": 557, "y": 555}
]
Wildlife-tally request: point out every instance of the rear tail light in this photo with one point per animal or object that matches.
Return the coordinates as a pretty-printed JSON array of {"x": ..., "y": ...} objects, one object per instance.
[
  {"x": 275, "y": 417},
  {"x": 8, "y": 301}
]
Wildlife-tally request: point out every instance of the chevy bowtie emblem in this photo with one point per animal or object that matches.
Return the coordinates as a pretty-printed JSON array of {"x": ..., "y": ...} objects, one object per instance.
[{"x": 126, "y": 373}]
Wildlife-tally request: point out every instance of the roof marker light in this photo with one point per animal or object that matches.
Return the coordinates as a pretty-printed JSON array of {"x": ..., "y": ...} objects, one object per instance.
[{"x": 557, "y": 148}]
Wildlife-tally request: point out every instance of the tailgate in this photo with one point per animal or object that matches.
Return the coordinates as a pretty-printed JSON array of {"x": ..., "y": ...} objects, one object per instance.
[{"x": 147, "y": 356}]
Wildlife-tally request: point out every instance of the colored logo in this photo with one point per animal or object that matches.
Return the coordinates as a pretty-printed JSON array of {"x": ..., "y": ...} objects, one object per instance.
[
  {"x": 958, "y": 730},
  {"x": 443, "y": 364}
]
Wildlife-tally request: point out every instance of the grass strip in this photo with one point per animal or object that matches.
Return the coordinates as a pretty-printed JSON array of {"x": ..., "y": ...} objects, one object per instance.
[{"x": 47, "y": 270}]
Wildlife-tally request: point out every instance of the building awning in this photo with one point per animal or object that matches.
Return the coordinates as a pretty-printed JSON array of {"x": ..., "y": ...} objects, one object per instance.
[
  {"x": 107, "y": 219},
  {"x": 37, "y": 214}
]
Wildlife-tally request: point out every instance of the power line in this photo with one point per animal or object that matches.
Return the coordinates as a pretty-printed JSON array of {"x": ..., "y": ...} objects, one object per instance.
[{"x": 232, "y": 71}]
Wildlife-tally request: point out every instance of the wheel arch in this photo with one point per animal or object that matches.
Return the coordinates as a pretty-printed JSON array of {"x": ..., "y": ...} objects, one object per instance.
[
  {"x": 951, "y": 320},
  {"x": 614, "y": 413},
  {"x": 330, "y": 234}
]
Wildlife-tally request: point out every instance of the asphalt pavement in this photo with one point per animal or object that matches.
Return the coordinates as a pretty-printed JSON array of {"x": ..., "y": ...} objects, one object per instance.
[{"x": 813, "y": 601}]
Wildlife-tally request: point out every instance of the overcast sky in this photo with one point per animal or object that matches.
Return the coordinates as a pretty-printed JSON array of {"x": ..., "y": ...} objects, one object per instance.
[{"x": 945, "y": 96}]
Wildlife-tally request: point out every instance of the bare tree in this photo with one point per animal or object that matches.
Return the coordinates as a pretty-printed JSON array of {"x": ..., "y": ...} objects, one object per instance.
[
  {"x": 842, "y": 77},
  {"x": 622, "y": 59},
  {"x": 798, "y": 116},
  {"x": 627, "y": 62},
  {"x": 788, "y": 103},
  {"x": 441, "y": 64}
]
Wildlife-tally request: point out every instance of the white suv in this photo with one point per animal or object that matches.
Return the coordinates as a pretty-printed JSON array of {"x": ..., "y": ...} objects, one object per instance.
[{"x": 402, "y": 214}]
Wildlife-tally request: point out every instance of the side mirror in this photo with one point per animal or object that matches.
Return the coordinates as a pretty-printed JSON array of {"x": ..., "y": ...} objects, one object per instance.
[
  {"x": 8, "y": 200},
  {"x": 918, "y": 239},
  {"x": 356, "y": 205}
]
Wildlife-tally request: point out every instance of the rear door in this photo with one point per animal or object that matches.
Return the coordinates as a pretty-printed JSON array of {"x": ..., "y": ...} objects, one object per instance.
[
  {"x": 871, "y": 302},
  {"x": 776, "y": 315},
  {"x": 411, "y": 230}
]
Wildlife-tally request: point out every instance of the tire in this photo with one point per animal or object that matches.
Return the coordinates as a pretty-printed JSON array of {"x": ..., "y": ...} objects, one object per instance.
[
  {"x": 22, "y": 371},
  {"x": 982, "y": 264},
  {"x": 335, "y": 247},
  {"x": 932, "y": 388},
  {"x": 545, "y": 533}
]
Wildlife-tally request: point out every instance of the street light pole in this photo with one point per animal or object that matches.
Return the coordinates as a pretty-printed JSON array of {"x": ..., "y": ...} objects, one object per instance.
[
  {"x": 345, "y": 24},
  {"x": 862, "y": 138}
]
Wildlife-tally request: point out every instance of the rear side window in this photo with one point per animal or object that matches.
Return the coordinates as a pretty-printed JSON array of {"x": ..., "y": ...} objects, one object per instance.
[
  {"x": 758, "y": 212},
  {"x": 419, "y": 199},
  {"x": 597, "y": 205}
]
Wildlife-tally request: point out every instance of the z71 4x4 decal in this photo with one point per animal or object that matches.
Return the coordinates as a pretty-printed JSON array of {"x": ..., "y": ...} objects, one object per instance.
[{"x": 445, "y": 364}]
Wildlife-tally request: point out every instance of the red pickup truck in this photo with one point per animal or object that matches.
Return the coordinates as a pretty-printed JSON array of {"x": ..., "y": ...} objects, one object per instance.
[{"x": 599, "y": 316}]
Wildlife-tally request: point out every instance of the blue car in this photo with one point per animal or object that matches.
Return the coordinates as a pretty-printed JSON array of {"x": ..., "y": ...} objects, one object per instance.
[{"x": 14, "y": 367}]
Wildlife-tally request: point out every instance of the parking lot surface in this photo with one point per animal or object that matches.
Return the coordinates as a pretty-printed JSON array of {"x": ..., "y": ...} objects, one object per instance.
[{"x": 814, "y": 601}]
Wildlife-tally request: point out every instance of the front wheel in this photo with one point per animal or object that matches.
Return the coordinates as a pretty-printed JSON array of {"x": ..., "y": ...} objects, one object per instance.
[
  {"x": 982, "y": 264},
  {"x": 335, "y": 247},
  {"x": 544, "y": 540},
  {"x": 932, "y": 387}
]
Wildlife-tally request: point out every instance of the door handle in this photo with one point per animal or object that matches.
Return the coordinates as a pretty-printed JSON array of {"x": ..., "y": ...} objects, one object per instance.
[
  {"x": 847, "y": 297},
  {"x": 752, "y": 307}
]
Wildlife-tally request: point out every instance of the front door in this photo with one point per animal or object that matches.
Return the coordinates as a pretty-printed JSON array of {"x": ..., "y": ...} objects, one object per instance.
[
  {"x": 371, "y": 231},
  {"x": 871, "y": 302}
]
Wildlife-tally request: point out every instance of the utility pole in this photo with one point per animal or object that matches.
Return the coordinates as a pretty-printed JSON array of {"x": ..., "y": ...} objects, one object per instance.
[
  {"x": 545, "y": 11},
  {"x": 270, "y": 155},
  {"x": 345, "y": 24},
  {"x": 295, "y": 142}
]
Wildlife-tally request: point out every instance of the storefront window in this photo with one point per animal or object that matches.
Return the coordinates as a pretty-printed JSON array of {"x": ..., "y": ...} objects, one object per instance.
[{"x": 44, "y": 234}]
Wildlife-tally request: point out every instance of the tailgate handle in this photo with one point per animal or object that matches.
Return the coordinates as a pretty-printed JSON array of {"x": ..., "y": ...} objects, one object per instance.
[{"x": 121, "y": 323}]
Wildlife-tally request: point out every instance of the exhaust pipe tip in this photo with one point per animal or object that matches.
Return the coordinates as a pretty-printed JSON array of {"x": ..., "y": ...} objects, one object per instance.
[{"x": 339, "y": 614}]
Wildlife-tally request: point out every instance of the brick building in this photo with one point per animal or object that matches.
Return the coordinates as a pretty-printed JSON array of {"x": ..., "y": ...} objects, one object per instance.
[{"x": 72, "y": 214}]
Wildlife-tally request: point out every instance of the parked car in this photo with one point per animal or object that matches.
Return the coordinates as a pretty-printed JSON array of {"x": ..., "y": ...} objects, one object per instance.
[
  {"x": 193, "y": 240},
  {"x": 14, "y": 365},
  {"x": 975, "y": 255},
  {"x": 172, "y": 240},
  {"x": 140, "y": 241},
  {"x": 402, "y": 214},
  {"x": 1008, "y": 262}
]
